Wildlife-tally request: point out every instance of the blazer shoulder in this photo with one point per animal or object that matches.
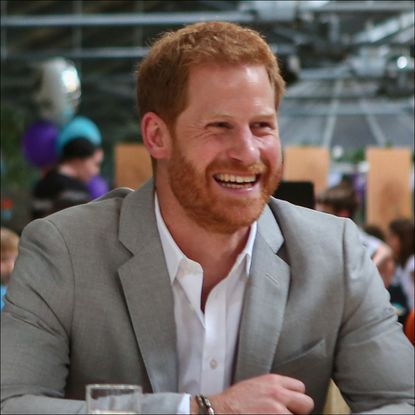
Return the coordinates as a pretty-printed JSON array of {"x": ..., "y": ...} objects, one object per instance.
[
  {"x": 119, "y": 192},
  {"x": 95, "y": 212},
  {"x": 304, "y": 218}
]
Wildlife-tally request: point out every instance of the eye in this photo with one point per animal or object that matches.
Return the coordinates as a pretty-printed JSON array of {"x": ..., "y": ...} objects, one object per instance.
[
  {"x": 260, "y": 125},
  {"x": 220, "y": 125}
]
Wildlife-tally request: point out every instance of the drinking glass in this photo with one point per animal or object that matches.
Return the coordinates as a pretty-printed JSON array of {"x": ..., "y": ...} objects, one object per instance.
[{"x": 113, "y": 399}]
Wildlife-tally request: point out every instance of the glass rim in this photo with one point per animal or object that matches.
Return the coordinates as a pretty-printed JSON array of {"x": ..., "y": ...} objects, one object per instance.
[{"x": 125, "y": 386}]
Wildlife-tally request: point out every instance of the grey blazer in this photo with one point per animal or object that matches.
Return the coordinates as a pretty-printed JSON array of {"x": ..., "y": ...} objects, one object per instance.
[{"x": 90, "y": 302}]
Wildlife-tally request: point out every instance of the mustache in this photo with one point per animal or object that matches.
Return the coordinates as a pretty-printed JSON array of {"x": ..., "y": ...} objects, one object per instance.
[{"x": 235, "y": 167}]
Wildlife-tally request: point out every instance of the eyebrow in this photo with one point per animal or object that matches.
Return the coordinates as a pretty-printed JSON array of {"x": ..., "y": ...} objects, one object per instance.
[{"x": 227, "y": 115}]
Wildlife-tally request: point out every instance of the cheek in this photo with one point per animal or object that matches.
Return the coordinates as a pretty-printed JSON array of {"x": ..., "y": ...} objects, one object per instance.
[
  {"x": 271, "y": 151},
  {"x": 396, "y": 246},
  {"x": 200, "y": 155},
  {"x": 91, "y": 170},
  {"x": 393, "y": 242}
]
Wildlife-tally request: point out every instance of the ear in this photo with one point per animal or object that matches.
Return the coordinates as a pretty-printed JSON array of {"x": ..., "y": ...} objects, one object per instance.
[{"x": 156, "y": 136}]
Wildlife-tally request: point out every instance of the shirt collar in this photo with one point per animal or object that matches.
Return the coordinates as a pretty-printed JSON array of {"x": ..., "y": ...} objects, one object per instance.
[{"x": 174, "y": 255}]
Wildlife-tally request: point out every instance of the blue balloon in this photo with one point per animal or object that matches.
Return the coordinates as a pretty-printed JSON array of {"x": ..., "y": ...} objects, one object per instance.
[
  {"x": 97, "y": 187},
  {"x": 39, "y": 143},
  {"x": 76, "y": 128}
]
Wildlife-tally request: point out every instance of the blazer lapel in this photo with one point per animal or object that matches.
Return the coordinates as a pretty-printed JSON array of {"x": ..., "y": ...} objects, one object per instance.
[
  {"x": 264, "y": 303},
  {"x": 147, "y": 290}
]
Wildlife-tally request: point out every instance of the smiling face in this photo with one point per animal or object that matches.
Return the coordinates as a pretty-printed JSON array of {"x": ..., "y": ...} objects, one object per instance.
[{"x": 225, "y": 158}]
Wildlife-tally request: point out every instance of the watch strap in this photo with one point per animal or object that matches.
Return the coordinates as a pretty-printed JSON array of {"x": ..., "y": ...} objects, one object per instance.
[{"x": 205, "y": 406}]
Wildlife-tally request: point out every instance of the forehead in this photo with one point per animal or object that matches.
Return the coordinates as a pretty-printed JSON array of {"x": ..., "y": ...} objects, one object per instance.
[
  {"x": 218, "y": 73},
  {"x": 214, "y": 84},
  {"x": 97, "y": 156}
]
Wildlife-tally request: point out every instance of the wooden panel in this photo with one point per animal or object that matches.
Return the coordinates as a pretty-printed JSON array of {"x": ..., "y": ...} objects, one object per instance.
[
  {"x": 335, "y": 404},
  {"x": 132, "y": 165},
  {"x": 307, "y": 163},
  {"x": 388, "y": 185}
]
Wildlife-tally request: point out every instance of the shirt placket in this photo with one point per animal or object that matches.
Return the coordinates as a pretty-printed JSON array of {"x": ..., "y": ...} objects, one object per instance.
[{"x": 214, "y": 345}]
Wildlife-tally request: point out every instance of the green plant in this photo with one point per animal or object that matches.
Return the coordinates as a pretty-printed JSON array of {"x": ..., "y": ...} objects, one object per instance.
[{"x": 16, "y": 173}]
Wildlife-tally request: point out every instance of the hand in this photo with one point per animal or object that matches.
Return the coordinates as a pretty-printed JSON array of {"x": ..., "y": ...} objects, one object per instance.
[
  {"x": 385, "y": 263},
  {"x": 266, "y": 394}
]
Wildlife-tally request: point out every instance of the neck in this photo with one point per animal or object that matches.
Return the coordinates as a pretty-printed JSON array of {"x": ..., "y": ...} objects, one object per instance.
[{"x": 215, "y": 252}]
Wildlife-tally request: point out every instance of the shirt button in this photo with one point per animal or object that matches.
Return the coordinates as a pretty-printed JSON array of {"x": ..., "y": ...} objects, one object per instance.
[{"x": 213, "y": 364}]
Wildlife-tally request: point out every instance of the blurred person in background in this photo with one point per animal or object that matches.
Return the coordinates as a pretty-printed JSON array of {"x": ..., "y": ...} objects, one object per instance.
[
  {"x": 374, "y": 230},
  {"x": 341, "y": 200},
  {"x": 199, "y": 286},
  {"x": 66, "y": 184},
  {"x": 397, "y": 297},
  {"x": 401, "y": 239},
  {"x": 9, "y": 243}
]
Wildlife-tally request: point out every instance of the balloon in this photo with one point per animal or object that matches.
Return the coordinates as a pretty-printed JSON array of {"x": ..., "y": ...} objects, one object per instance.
[
  {"x": 77, "y": 128},
  {"x": 39, "y": 143},
  {"x": 97, "y": 187},
  {"x": 58, "y": 90}
]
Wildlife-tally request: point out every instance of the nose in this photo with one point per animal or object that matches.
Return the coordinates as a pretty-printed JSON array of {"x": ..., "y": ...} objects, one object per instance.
[{"x": 244, "y": 147}]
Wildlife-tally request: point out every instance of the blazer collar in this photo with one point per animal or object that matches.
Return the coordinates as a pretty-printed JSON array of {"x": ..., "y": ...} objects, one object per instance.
[
  {"x": 137, "y": 218},
  {"x": 147, "y": 289},
  {"x": 264, "y": 303}
]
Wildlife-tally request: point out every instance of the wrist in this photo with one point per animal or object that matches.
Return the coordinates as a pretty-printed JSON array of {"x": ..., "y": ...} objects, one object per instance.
[
  {"x": 194, "y": 408},
  {"x": 202, "y": 405}
]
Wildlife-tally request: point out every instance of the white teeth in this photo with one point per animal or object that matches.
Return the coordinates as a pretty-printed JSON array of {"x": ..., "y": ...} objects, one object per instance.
[
  {"x": 235, "y": 186},
  {"x": 230, "y": 178}
]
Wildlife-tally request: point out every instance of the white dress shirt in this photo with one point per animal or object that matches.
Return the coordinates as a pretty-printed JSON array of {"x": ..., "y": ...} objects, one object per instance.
[{"x": 206, "y": 342}]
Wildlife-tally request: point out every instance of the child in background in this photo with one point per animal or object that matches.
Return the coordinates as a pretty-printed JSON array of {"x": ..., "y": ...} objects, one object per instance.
[
  {"x": 401, "y": 239},
  {"x": 9, "y": 242}
]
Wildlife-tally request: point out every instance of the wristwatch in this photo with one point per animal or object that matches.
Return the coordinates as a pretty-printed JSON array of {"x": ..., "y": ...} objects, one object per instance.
[{"x": 205, "y": 406}]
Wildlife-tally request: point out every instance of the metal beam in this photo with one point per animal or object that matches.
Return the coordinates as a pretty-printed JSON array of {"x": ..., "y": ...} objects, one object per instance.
[
  {"x": 332, "y": 115},
  {"x": 138, "y": 52},
  {"x": 385, "y": 29},
  {"x": 358, "y": 7},
  {"x": 124, "y": 19},
  {"x": 170, "y": 19},
  {"x": 92, "y": 53},
  {"x": 336, "y": 110},
  {"x": 373, "y": 124}
]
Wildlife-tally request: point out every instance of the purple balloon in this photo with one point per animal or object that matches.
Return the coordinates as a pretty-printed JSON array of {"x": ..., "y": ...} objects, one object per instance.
[
  {"x": 39, "y": 143},
  {"x": 97, "y": 187}
]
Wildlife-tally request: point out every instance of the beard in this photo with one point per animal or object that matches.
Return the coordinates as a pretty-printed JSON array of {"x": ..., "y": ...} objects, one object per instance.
[{"x": 219, "y": 214}]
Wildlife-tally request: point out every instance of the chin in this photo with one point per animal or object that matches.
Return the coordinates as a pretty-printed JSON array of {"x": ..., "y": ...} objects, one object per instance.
[{"x": 230, "y": 219}]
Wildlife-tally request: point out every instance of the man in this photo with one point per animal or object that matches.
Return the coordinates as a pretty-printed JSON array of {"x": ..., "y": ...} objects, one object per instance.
[
  {"x": 66, "y": 185},
  {"x": 197, "y": 283}
]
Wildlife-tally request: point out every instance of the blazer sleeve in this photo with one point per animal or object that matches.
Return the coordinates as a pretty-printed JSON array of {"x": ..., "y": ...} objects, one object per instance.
[
  {"x": 36, "y": 330},
  {"x": 374, "y": 361},
  {"x": 36, "y": 319}
]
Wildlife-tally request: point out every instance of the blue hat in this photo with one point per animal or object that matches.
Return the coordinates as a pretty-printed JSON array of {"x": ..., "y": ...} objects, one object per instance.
[{"x": 76, "y": 128}]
